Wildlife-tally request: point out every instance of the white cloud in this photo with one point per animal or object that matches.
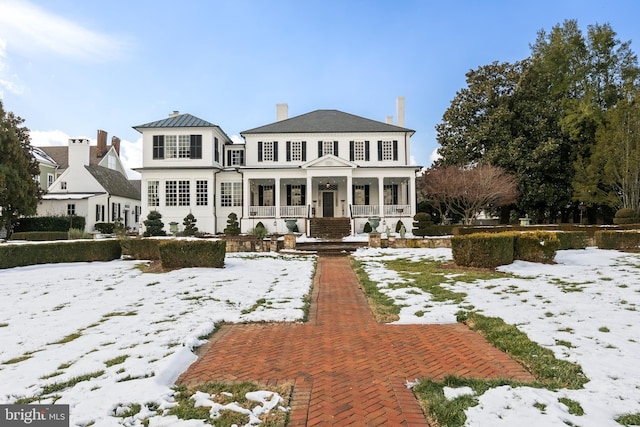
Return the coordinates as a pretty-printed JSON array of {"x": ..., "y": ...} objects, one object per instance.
[
  {"x": 31, "y": 28},
  {"x": 48, "y": 138},
  {"x": 434, "y": 155},
  {"x": 237, "y": 139},
  {"x": 6, "y": 82},
  {"x": 131, "y": 154}
]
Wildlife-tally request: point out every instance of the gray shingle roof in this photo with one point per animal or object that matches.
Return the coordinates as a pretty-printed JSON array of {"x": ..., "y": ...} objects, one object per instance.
[
  {"x": 179, "y": 121},
  {"x": 326, "y": 121},
  {"x": 114, "y": 182},
  {"x": 60, "y": 153}
]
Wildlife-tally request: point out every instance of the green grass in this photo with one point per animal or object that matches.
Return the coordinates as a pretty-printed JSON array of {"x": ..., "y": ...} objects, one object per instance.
[
  {"x": 3, "y": 325},
  {"x": 629, "y": 419},
  {"x": 52, "y": 388},
  {"x": 259, "y": 303},
  {"x": 68, "y": 338},
  {"x": 224, "y": 393},
  {"x": 116, "y": 360},
  {"x": 383, "y": 307},
  {"x": 604, "y": 329},
  {"x": 17, "y": 359},
  {"x": 573, "y": 406}
]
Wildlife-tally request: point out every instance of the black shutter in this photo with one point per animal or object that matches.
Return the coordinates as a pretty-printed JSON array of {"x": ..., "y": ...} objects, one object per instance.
[
  {"x": 288, "y": 151},
  {"x": 366, "y": 151},
  {"x": 228, "y": 158},
  {"x": 304, "y": 151},
  {"x": 288, "y": 194},
  {"x": 335, "y": 148},
  {"x": 351, "y": 151},
  {"x": 241, "y": 157},
  {"x": 394, "y": 192},
  {"x": 319, "y": 148},
  {"x": 195, "y": 146},
  {"x": 217, "y": 152},
  {"x": 366, "y": 194},
  {"x": 259, "y": 151},
  {"x": 275, "y": 151},
  {"x": 303, "y": 190},
  {"x": 379, "y": 151},
  {"x": 260, "y": 195},
  {"x": 395, "y": 150}
]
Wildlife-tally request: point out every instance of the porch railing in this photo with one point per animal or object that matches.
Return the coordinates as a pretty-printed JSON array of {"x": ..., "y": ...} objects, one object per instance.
[
  {"x": 270, "y": 211},
  {"x": 397, "y": 210},
  {"x": 262, "y": 211},
  {"x": 365, "y": 210},
  {"x": 293, "y": 211}
]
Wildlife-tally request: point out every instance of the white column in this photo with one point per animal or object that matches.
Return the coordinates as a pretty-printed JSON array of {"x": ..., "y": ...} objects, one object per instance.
[
  {"x": 381, "y": 196},
  {"x": 276, "y": 195},
  {"x": 246, "y": 200},
  {"x": 349, "y": 194}
]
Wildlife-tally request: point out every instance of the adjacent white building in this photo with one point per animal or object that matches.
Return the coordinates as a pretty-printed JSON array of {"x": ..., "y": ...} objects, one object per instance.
[{"x": 318, "y": 169}]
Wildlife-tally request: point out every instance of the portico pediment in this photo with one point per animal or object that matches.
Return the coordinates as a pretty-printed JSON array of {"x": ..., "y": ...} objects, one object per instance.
[{"x": 329, "y": 161}]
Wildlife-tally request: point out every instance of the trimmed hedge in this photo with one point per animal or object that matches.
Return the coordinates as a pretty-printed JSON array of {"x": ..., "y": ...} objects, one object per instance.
[
  {"x": 49, "y": 223},
  {"x": 40, "y": 236},
  {"x": 56, "y": 252},
  {"x": 536, "y": 246},
  {"x": 141, "y": 248},
  {"x": 192, "y": 253},
  {"x": 626, "y": 216},
  {"x": 621, "y": 240},
  {"x": 483, "y": 250},
  {"x": 573, "y": 240}
]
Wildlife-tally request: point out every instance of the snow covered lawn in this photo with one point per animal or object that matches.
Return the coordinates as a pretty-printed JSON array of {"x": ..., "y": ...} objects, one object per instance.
[
  {"x": 585, "y": 308},
  {"x": 129, "y": 334}
]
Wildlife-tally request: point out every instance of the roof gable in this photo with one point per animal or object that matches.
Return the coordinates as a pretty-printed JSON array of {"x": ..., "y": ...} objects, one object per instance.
[
  {"x": 329, "y": 161},
  {"x": 326, "y": 121},
  {"x": 177, "y": 121},
  {"x": 114, "y": 182}
]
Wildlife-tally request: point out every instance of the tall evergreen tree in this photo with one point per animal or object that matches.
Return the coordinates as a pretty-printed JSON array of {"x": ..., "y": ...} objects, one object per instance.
[{"x": 19, "y": 191}]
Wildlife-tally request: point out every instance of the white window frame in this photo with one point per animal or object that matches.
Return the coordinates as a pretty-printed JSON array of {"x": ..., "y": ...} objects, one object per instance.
[
  {"x": 327, "y": 147},
  {"x": 230, "y": 194},
  {"x": 184, "y": 193},
  {"x": 202, "y": 192},
  {"x": 268, "y": 150},
  {"x": 171, "y": 193},
  {"x": 358, "y": 150},
  {"x": 153, "y": 193},
  {"x": 296, "y": 151},
  {"x": 387, "y": 150}
]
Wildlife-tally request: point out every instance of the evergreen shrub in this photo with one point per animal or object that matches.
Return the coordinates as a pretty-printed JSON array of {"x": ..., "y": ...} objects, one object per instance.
[
  {"x": 626, "y": 216},
  {"x": 189, "y": 223},
  {"x": 49, "y": 223},
  {"x": 573, "y": 239},
  {"x": 154, "y": 225},
  {"x": 536, "y": 246},
  {"x": 141, "y": 248},
  {"x": 483, "y": 250},
  {"x": 621, "y": 240},
  {"x": 421, "y": 224},
  {"x": 56, "y": 252},
  {"x": 367, "y": 228},
  {"x": 192, "y": 253},
  {"x": 233, "y": 228},
  {"x": 104, "y": 227}
]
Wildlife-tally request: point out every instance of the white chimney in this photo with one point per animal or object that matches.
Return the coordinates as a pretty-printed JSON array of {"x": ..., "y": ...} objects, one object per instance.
[
  {"x": 282, "y": 112},
  {"x": 174, "y": 114},
  {"x": 400, "y": 110},
  {"x": 389, "y": 120},
  {"x": 79, "y": 152}
]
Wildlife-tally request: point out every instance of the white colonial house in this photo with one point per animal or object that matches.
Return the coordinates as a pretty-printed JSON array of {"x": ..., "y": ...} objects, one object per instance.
[
  {"x": 320, "y": 170},
  {"x": 90, "y": 181}
]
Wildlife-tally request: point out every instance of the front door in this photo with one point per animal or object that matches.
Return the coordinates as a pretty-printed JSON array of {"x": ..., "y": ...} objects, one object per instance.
[{"x": 327, "y": 204}]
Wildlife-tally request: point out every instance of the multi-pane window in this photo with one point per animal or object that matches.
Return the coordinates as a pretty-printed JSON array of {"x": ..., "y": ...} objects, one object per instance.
[
  {"x": 63, "y": 185},
  {"x": 202, "y": 193},
  {"x": 358, "y": 150},
  {"x": 327, "y": 147},
  {"x": 184, "y": 196},
  {"x": 71, "y": 209},
  {"x": 158, "y": 146},
  {"x": 267, "y": 151},
  {"x": 49, "y": 179},
  {"x": 177, "y": 146},
  {"x": 390, "y": 194},
  {"x": 387, "y": 150},
  {"x": 184, "y": 146},
  {"x": 296, "y": 195},
  {"x": 171, "y": 193},
  {"x": 231, "y": 194},
  {"x": 153, "y": 198},
  {"x": 170, "y": 146},
  {"x": 235, "y": 158},
  {"x": 296, "y": 151}
]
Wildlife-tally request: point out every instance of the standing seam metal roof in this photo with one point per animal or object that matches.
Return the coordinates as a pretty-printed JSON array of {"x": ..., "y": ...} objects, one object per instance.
[{"x": 179, "y": 121}]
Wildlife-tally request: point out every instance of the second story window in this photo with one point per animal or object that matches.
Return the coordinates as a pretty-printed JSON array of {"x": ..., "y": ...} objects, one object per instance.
[
  {"x": 235, "y": 158},
  {"x": 63, "y": 185},
  {"x": 177, "y": 147},
  {"x": 49, "y": 179},
  {"x": 387, "y": 150},
  {"x": 327, "y": 147},
  {"x": 296, "y": 151},
  {"x": 268, "y": 151},
  {"x": 359, "y": 151}
]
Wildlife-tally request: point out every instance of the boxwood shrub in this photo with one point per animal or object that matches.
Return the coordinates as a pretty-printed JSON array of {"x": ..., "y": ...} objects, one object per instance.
[
  {"x": 573, "y": 239},
  {"x": 192, "y": 253},
  {"x": 483, "y": 250},
  {"x": 141, "y": 248},
  {"x": 56, "y": 252},
  {"x": 49, "y": 223},
  {"x": 40, "y": 236},
  {"x": 536, "y": 246},
  {"x": 612, "y": 239}
]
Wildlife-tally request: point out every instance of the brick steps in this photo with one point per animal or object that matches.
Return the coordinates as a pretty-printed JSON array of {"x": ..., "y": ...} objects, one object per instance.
[{"x": 329, "y": 228}]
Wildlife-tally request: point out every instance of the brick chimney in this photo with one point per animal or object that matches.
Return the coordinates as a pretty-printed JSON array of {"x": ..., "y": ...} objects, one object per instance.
[
  {"x": 115, "y": 143},
  {"x": 102, "y": 143}
]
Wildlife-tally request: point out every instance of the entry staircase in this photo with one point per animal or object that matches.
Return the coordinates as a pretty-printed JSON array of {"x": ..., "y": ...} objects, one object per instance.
[{"x": 329, "y": 228}]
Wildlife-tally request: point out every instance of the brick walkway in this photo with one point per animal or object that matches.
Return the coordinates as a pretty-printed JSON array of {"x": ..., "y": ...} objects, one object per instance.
[{"x": 346, "y": 368}]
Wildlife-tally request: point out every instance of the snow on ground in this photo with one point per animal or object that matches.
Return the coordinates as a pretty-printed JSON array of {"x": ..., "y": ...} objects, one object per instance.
[
  {"x": 62, "y": 321},
  {"x": 585, "y": 308}
]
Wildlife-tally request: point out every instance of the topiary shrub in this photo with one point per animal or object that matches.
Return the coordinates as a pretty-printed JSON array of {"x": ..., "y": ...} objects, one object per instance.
[
  {"x": 154, "y": 225},
  {"x": 233, "y": 228},
  {"x": 536, "y": 246},
  {"x": 192, "y": 253},
  {"x": 367, "y": 228},
  {"x": 421, "y": 223},
  {"x": 483, "y": 250},
  {"x": 626, "y": 216},
  {"x": 189, "y": 223}
]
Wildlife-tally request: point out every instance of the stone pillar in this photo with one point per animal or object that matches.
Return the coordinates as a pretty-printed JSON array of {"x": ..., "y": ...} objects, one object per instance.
[
  {"x": 289, "y": 241},
  {"x": 375, "y": 240}
]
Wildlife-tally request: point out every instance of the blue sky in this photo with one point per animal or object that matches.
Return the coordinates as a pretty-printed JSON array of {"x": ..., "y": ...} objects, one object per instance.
[{"x": 71, "y": 67}]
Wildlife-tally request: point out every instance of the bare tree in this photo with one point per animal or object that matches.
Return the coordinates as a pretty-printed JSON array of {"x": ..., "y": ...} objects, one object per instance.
[{"x": 467, "y": 191}]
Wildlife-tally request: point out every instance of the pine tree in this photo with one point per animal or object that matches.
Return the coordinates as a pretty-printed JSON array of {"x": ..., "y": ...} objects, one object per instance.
[
  {"x": 154, "y": 225},
  {"x": 190, "y": 225},
  {"x": 233, "y": 228},
  {"x": 19, "y": 191}
]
